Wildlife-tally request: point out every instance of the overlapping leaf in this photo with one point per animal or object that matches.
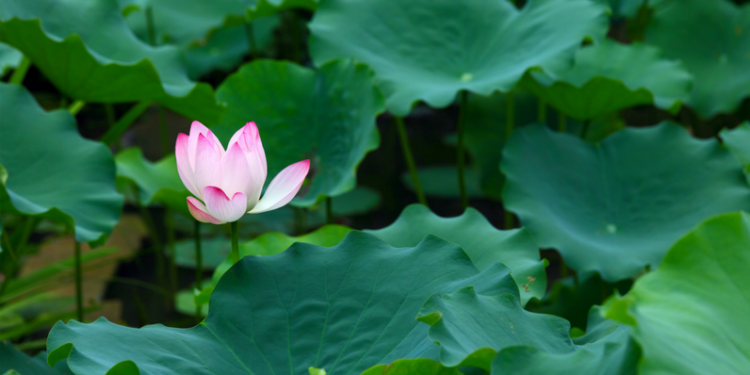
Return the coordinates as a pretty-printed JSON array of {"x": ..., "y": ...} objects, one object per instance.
[
  {"x": 88, "y": 53},
  {"x": 13, "y": 359},
  {"x": 690, "y": 315},
  {"x": 9, "y": 58},
  {"x": 342, "y": 309},
  {"x": 608, "y": 77},
  {"x": 616, "y": 207},
  {"x": 52, "y": 171},
  {"x": 430, "y": 50},
  {"x": 484, "y": 244},
  {"x": 156, "y": 182},
  {"x": 327, "y": 116},
  {"x": 713, "y": 47}
]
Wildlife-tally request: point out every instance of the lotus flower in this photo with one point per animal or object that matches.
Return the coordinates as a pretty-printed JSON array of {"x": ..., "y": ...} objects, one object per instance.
[{"x": 230, "y": 182}]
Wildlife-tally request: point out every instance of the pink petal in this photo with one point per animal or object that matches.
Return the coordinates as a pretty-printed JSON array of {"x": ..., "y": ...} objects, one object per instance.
[
  {"x": 207, "y": 166},
  {"x": 222, "y": 207},
  {"x": 236, "y": 174},
  {"x": 198, "y": 210},
  {"x": 283, "y": 187},
  {"x": 258, "y": 172},
  {"x": 251, "y": 142},
  {"x": 184, "y": 168},
  {"x": 196, "y": 129}
]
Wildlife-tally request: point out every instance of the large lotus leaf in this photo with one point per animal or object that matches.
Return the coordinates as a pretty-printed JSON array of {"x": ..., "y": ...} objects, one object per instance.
[
  {"x": 327, "y": 116},
  {"x": 343, "y": 309},
  {"x": 157, "y": 182},
  {"x": 52, "y": 170},
  {"x": 412, "y": 366},
  {"x": 13, "y": 359},
  {"x": 226, "y": 47},
  {"x": 432, "y": 49},
  {"x": 9, "y": 58},
  {"x": 472, "y": 328},
  {"x": 608, "y": 77},
  {"x": 714, "y": 48},
  {"x": 484, "y": 243},
  {"x": 88, "y": 53},
  {"x": 605, "y": 349},
  {"x": 690, "y": 314},
  {"x": 617, "y": 206},
  {"x": 263, "y": 8},
  {"x": 486, "y": 136},
  {"x": 737, "y": 141}
]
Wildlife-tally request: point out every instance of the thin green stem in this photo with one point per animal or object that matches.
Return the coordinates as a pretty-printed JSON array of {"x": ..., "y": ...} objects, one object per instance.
[
  {"x": 163, "y": 132},
  {"x": 79, "y": 282},
  {"x": 329, "y": 210},
  {"x": 169, "y": 224},
  {"x": 461, "y": 152},
  {"x": 542, "y": 115},
  {"x": 585, "y": 129},
  {"x": 198, "y": 255},
  {"x": 156, "y": 243},
  {"x": 198, "y": 266},
  {"x": 296, "y": 37},
  {"x": 563, "y": 268},
  {"x": 300, "y": 220},
  {"x": 252, "y": 44},
  {"x": 561, "y": 122},
  {"x": 20, "y": 73},
  {"x": 235, "y": 242},
  {"x": 109, "y": 109},
  {"x": 76, "y": 107},
  {"x": 410, "y": 160},
  {"x": 113, "y": 134}
]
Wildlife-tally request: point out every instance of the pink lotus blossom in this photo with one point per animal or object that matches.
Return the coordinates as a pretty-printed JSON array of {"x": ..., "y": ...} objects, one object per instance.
[{"x": 230, "y": 182}]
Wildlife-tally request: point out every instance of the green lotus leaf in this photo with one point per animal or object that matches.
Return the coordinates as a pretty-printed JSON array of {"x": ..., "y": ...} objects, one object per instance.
[
  {"x": 486, "y": 137},
  {"x": 89, "y": 54},
  {"x": 13, "y": 359},
  {"x": 484, "y": 244},
  {"x": 690, "y": 314},
  {"x": 412, "y": 366},
  {"x": 326, "y": 115},
  {"x": 737, "y": 141},
  {"x": 472, "y": 328},
  {"x": 9, "y": 58},
  {"x": 431, "y": 49},
  {"x": 573, "y": 300},
  {"x": 606, "y": 348},
  {"x": 608, "y": 77},
  {"x": 226, "y": 46},
  {"x": 625, "y": 8},
  {"x": 714, "y": 49},
  {"x": 617, "y": 206},
  {"x": 157, "y": 182},
  {"x": 343, "y": 309},
  {"x": 264, "y": 8},
  {"x": 54, "y": 172}
]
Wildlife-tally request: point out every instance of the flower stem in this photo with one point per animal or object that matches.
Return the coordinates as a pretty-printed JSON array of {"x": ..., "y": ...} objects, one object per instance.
[
  {"x": 76, "y": 107},
  {"x": 79, "y": 282},
  {"x": 250, "y": 35},
  {"x": 169, "y": 224},
  {"x": 410, "y": 160},
  {"x": 235, "y": 243},
  {"x": 585, "y": 129},
  {"x": 329, "y": 211},
  {"x": 198, "y": 255},
  {"x": 113, "y": 134},
  {"x": 461, "y": 152},
  {"x": 20, "y": 73},
  {"x": 163, "y": 132}
]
